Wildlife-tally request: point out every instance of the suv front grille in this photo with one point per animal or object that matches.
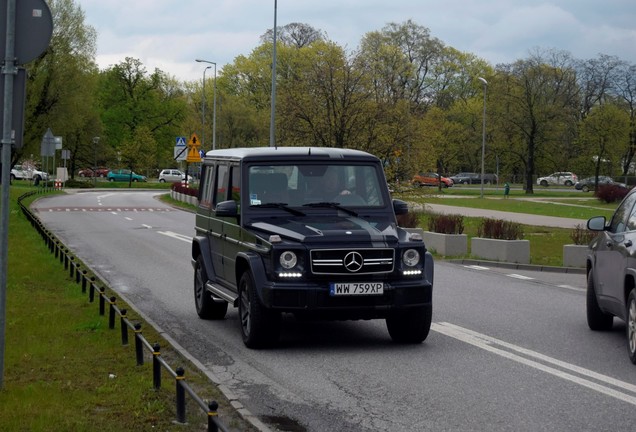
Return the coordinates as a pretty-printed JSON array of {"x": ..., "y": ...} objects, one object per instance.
[{"x": 352, "y": 261}]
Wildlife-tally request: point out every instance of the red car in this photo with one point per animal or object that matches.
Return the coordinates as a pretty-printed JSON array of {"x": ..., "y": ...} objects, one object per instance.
[
  {"x": 431, "y": 179},
  {"x": 88, "y": 172}
]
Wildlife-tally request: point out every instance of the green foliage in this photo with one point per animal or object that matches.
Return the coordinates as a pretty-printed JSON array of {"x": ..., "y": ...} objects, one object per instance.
[{"x": 408, "y": 220}]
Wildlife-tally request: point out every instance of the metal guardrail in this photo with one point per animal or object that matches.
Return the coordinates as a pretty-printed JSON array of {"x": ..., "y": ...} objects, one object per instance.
[{"x": 79, "y": 272}]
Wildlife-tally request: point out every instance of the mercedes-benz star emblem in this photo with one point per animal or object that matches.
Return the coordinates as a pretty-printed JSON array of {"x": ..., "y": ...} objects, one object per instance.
[{"x": 353, "y": 261}]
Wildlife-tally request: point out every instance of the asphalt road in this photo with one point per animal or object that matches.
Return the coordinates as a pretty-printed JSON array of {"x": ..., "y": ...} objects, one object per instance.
[{"x": 508, "y": 350}]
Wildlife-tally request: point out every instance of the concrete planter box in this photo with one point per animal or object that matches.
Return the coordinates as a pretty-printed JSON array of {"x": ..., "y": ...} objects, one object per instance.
[
  {"x": 513, "y": 251},
  {"x": 192, "y": 200},
  {"x": 446, "y": 244},
  {"x": 575, "y": 255}
]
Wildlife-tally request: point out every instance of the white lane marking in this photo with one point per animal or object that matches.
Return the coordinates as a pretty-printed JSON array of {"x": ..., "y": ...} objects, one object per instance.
[
  {"x": 127, "y": 218},
  {"x": 476, "y": 267},
  {"x": 146, "y": 226},
  {"x": 570, "y": 287},
  {"x": 176, "y": 236},
  {"x": 487, "y": 343},
  {"x": 113, "y": 212},
  {"x": 518, "y": 276}
]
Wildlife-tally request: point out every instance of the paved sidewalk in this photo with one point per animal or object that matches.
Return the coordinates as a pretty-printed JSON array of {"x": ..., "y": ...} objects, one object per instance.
[{"x": 523, "y": 218}]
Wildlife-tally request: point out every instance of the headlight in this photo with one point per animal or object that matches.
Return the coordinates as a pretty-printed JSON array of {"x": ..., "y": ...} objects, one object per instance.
[
  {"x": 288, "y": 260},
  {"x": 411, "y": 257}
]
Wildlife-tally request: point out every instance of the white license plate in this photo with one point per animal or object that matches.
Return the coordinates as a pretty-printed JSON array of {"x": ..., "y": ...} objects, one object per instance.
[{"x": 356, "y": 288}]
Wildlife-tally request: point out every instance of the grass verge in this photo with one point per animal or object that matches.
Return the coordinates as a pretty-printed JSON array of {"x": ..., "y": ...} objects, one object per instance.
[{"x": 66, "y": 370}]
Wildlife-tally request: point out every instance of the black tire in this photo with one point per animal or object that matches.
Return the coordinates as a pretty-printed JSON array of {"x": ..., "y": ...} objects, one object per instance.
[
  {"x": 585, "y": 188},
  {"x": 410, "y": 326},
  {"x": 568, "y": 183},
  {"x": 11, "y": 177},
  {"x": 631, "y": 325},
  {"x": 206, "y": 306},
  {"x": 544, "y": 183},
  {"x": 260, "y": 327},
  {"x": 162, "y": 180},
  {"x": 597, "y": 320},
  {"x": 111, "y": 179}
]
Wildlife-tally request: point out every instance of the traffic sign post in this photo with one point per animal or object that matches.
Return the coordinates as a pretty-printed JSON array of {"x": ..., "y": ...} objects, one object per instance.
[{"x": 26, "y": 28}]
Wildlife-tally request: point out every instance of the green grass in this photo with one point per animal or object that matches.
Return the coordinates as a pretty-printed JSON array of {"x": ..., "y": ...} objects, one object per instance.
[
  {"x": 546, "y": 243},
  {"x": 66, "y": 370}
]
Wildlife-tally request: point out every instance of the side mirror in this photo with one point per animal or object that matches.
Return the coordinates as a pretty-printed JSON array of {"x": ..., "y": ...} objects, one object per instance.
[
  {"x": 226, "y": 209},
  {"x": 596, "y": 223},
  {"x": 400, "y": 207}
]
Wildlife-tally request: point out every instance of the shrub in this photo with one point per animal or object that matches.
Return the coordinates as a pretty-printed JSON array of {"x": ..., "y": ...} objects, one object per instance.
[
  {"x": 581, "y": 235},
  {"x": 408, "y": 220},
  {"x": 78, "y": 184},
  {"x": 446, "y": 224},
  {"x": 185, "y": 189},
  {"x": 500, "y": 229},
  {"x": 610, "y": 193}
]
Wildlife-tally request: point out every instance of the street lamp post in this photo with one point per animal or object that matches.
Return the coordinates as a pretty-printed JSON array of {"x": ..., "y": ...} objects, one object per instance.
[
  {"x": 483, "y": 136},
  {"x": 213, "y": 104}
]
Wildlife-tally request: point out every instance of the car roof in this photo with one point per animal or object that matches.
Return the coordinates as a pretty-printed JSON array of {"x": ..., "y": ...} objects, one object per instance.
[{"x": 279, "y": 153}]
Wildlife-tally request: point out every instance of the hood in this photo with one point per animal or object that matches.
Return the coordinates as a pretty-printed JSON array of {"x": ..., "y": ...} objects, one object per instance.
[{"x": 328, "y": 228}]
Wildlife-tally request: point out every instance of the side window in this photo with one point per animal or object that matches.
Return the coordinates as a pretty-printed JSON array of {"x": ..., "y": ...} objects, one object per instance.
[
  {"x": 619, "y": 220},
  {"x": 631, "y": 221},
  {"x": 220, "y": 193},
  {"x": 205, "y": 194}
]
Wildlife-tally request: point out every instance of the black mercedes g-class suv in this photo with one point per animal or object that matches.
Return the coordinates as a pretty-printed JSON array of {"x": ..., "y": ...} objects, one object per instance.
[{"x": 309, "y": 231}]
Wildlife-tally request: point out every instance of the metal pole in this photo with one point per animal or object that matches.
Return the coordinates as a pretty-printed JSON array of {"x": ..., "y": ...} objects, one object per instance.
[
  {"x": 9, "y": 70},
  {"x": 214, "y": 113},
  {"x": 483, "y": 137},
  {"x": 272, "y": 133},
  {"x": 203, "y": 109}
]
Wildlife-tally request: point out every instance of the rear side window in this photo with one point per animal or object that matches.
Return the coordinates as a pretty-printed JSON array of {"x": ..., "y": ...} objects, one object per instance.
[{"x": 207, "y": 185}]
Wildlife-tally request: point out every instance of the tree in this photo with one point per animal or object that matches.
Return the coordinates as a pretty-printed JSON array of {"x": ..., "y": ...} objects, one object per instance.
[
  {"x": 132, "y": 100},
  {"x": 61, "y": 86},
  {"x": 538, "y": 109},
  {"x": 296, "y": 35}
]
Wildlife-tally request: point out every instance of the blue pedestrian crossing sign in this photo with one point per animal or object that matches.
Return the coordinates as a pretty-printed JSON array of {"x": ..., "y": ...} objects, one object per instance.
[{"x": 181, "y": 142}]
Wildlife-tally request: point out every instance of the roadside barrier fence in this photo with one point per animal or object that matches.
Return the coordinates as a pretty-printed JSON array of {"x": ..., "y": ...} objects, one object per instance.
[{"x": 88, "y": 283}]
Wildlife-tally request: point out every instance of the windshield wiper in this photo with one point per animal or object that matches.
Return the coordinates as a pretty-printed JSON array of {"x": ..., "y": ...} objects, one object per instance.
[
  {"x": 331, "y": 205},
  {"x": 283, "y": 206}
]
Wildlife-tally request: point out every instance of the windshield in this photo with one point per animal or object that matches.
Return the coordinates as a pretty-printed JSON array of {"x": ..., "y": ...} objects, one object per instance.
[{"x": 323, "y": 185}]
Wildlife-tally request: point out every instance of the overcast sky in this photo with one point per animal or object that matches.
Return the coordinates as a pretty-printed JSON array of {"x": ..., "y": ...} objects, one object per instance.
[{"x": 170, "y": 34}]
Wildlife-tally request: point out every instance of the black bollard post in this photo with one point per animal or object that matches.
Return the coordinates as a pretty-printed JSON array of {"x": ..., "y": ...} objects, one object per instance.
[
  {"x": 84, "y": 280},
  {"x": 91, "y": 293},
  {"x": 78, "y": 274},
  {"x": 156, "y": 366},
  {"x": 102, "y": 306},
  {"x": 139, "y": 349},
  {"x": 124, "y": 327},
  {"x": 111, "y": 313},
  {"x": 181, "y": 408},
  {"x": 71, "y": 267},
  {"x": 212, "y": 416}
]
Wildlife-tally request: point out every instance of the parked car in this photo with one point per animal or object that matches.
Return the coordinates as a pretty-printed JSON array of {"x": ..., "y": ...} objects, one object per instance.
[
  {"x": 173, "y": 176},
  {"x": 611, "y": 266},
  {"x": 587, "y": 184},
  {"x": 265, "y": 244},
  {"x": 27, "y": 172},
  {"x": 465, "y": 178},
  {"x": 88, "y": 172},
  {"x": 565, "y": 178},
  {"x": 124, "y": 175},
  {"x": 473, "y": 178},
  {"x": 431, "y": 179}
]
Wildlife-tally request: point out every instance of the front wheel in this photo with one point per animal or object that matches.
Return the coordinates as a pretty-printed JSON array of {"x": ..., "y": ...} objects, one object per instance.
[
  {"x": 260, "y": 327},
  {"x": 631, "y": 325},
  {"x": 207, "y": 307},
  {"x": 568, "y": 183},
  {"x": 544, "y": 183},
  {"x": 596, "y": 319},
  {"x": 585, "y": 188},
  {"x": 410, "y": 326}
]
